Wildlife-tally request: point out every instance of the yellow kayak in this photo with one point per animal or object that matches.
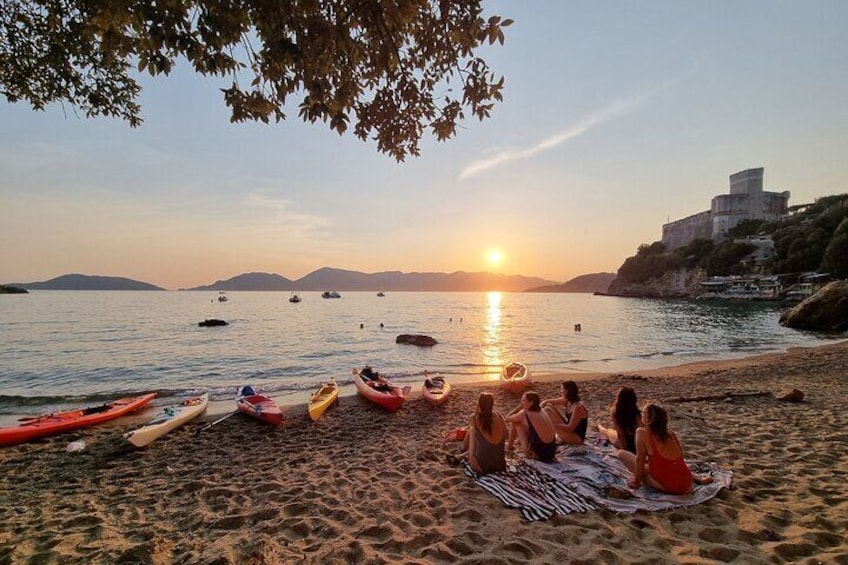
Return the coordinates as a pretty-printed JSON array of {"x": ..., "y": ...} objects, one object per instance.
[{"x": 322, "y": 399}]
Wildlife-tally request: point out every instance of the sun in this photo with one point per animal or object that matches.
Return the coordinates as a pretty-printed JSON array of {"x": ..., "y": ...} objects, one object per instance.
[{"x": 494, "y": 257}]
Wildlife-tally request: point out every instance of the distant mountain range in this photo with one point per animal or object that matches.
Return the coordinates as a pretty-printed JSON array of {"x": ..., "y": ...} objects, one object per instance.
[
  {"x": 328, "y": 278},
  {"x": 88, "y": 282},
  {"x": 594, "y": 282}
]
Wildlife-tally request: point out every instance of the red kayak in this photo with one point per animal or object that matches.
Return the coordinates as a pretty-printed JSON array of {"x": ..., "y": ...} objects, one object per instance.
[
  {"x": 378, "y": 390},
  {"x": 60, "y": 422},
  {"x": 258, "y": 406}
]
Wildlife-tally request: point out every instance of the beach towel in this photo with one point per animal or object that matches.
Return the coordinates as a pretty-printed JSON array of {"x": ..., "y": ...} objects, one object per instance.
[
  {"x": 535, "y": 494},
  {"x": 581, "y": 481},
  {"x": 593, "y": 470}
]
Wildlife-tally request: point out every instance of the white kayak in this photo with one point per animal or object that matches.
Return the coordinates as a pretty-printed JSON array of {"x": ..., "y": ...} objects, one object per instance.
[{"x": 170, "y": 418}]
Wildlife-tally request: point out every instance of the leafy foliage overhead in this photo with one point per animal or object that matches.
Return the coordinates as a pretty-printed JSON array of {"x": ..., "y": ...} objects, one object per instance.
[{"x": 388, "y": 67}]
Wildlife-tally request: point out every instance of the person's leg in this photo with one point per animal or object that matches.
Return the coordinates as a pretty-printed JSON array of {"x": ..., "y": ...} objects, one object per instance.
[
  {"x": 554, "y": 414},
  {"x": 612, "y": 436},
  {"x": 567, "y": 437},
  {"x": 513, "y": 435},
  {"x": 520, "y": 434}
]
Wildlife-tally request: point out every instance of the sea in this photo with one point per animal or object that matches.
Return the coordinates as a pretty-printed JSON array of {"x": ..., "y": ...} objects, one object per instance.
[{"x": 70, "y": 348}]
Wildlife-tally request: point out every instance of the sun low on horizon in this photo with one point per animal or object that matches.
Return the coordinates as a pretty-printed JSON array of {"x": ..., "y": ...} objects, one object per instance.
[{"x": 494, "y": 257}]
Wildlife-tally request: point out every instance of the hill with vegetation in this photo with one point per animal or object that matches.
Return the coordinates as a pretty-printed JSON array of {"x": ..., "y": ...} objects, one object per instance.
[
  {"x": 812, "y": 238},
  {"x": 328, "y": 278},
  {"x": 590, "y": 283},
  {"x": 88, "y": 282}
]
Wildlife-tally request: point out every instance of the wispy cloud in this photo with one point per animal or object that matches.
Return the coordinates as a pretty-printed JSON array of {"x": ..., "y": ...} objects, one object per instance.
[
  {"x": 615, "y": 110},
  {"x": 287, "y": 219}
]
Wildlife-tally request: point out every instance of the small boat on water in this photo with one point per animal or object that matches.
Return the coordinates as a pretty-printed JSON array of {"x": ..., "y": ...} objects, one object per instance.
[
  {"x": 60, "y": 422},
  {"x": 381, "y": 294},
  {"x": 378, "y": 390},
  {"x": 294, "y": 297},
  {"x": 436, "y": 389},
  {"x": 515, "y": 377},
  {"x": 222, "y": 296},
  {"x": 322, "y": 399},
  {"x": 171, "y": 418},
  {"x": 330, "y": 294},
  {"x": 258, "y": 406}
]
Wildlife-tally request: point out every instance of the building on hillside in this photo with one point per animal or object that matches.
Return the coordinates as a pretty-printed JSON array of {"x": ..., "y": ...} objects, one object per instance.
[{"x": 746, "y": 201}]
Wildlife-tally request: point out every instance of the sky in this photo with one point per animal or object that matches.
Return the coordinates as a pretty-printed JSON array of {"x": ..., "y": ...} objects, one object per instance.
[{"x": 617, "y": 117}]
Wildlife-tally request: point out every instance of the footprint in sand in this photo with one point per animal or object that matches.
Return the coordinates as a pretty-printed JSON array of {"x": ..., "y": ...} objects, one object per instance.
[{"x": 793, "y": 551}]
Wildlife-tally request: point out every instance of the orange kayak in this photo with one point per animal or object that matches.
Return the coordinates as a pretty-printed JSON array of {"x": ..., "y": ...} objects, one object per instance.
[
  {"x": 515, "y": 378},
  {"x": 436, "y": 390},
  {"x": 60, "y": 422}
]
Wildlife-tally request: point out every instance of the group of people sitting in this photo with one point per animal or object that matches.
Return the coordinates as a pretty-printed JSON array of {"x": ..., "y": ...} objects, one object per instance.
[{"x": 645, "y": 443}]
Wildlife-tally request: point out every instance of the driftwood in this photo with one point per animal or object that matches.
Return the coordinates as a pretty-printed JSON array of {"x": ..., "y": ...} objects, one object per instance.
[{"x": 717, "y": 397}]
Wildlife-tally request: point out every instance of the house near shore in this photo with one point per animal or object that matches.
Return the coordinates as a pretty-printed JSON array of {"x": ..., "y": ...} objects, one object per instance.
[
  {"x": 792, "y": 287},
  {"x": 746, "y": 201}
]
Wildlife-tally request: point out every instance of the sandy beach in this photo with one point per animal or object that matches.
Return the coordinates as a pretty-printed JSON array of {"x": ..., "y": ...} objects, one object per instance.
[{"x": 363, "y": 485}]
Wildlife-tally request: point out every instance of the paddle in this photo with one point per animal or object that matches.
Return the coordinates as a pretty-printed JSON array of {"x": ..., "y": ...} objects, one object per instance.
[{"x": 218, "y": 421}]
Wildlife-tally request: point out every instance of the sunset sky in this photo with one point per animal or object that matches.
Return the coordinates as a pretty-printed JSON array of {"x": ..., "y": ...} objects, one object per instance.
[{"x": 617, "y": 116}]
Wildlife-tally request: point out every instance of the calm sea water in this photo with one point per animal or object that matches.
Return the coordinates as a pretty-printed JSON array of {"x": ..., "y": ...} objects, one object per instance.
[{"x": 65, "y": 347}]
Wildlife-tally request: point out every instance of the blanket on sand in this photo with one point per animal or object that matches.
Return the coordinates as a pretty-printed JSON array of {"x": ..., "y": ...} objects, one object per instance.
[{"x": 586, "y": 478}]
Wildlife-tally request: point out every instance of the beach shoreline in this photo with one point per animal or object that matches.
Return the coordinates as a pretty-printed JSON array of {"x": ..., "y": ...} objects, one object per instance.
[{"x": 364, "y": 485}]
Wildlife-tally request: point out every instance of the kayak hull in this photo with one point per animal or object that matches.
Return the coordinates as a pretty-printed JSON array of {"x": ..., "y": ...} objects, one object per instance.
[
  {"x": 515, "y": 378},
  {"x": 261, "y": 408},
  {"x": 168, "y": 420},
  {"x": 436, "y": 396},
  {"x": 391, "y": 400},
  {"x": 322, "y": 399},
  {"x": 61, "y": 422}
]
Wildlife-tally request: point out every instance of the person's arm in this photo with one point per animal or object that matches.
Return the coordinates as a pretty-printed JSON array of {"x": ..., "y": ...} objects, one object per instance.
[
  {"x": 514, "y": 411},
  {"x": 553, "y": 402},
  {"x": 516, "y": 416},
  {"x": 641, "y": 457},
  {"x": 472, "y": 438}
]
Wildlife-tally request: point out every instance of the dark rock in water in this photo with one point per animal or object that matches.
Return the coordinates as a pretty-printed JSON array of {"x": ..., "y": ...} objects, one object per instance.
[
  {"x": 212, "y": 323},
  {"x": 419, "y": 340},
  {"x": 793, "y": 395},
  {"x": 6, "y": 289},
  {"x": 826, "y": 310}
]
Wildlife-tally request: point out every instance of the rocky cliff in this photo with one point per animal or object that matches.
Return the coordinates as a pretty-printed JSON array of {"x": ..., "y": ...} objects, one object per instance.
[
  {"x": 674, "y": 284},
  {"x": 826, "y": 310}
]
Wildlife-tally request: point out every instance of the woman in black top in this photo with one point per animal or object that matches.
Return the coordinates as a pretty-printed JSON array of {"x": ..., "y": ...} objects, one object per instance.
[{"x": 572, "y": 421}]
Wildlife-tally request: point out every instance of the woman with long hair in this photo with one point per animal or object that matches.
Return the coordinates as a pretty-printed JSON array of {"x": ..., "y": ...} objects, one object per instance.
[
  {"x": 572, "y": 422},
  {"x": 626, "y": 419},
  {"x": 659, "y": 456},
  {"x": 533, "y": 429},
  {"x": 484, "y": 442}
]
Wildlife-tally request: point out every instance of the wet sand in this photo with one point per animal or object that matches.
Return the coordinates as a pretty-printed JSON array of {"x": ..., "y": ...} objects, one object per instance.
[{"x": 363, "y": 485}]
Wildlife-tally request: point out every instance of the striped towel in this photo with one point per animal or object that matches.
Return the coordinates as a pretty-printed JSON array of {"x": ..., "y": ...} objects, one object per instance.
[{"x": 536, "y": 495}]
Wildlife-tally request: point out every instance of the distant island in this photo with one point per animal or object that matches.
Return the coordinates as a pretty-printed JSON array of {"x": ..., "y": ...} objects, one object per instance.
[
  {"x": 328, "y": 278},
  {"x": 7, "y": 289},
  {"x": 591, "y": 283},
  {"x": 88, "y": 282}
]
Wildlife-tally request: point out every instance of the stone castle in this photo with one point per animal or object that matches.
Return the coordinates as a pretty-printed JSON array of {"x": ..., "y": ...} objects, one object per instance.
[{"x": 747, "y": 201}]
